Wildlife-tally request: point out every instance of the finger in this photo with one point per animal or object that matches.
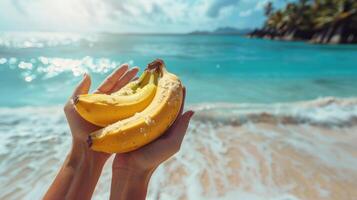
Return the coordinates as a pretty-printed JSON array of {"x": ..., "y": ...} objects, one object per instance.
[
  {"x": 177, "y": 128},
  {"x": 171, "y": 143},
  {"x": 112, "y": 79},
  {"x": 162, "y": 147},
  {"x": 177, "y": 132},
  {"x": 83, "y": 86},
  {"x": 125, "y": 79}
]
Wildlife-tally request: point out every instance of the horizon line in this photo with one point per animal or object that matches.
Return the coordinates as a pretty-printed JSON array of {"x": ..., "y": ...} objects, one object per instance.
[{"x": 129, "y": 33}]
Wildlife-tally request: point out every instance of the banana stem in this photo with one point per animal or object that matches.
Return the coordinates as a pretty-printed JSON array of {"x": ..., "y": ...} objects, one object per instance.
[{"x": 157, "y": 65}]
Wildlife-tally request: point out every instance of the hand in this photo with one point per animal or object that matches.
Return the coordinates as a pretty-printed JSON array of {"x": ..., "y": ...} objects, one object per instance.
[
  {"x": 80, "y": 128},
  {"x": 153, "y": 154},
  {"x": 132, "y": 170},
  {"x": 80, "y": 171}
]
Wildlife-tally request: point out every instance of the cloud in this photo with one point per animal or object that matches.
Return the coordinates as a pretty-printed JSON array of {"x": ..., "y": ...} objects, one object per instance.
[
  {"x": 129, "y": 15},
  {"x": 246, "y": 13},
  {"x": 138, "y": 10},
  {"x": 257, "y": 6},
  {"x": 217, "y": 5}
]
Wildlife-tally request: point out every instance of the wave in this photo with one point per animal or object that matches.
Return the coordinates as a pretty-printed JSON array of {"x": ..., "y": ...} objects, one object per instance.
[
  {"x": 301, "y": 150},
  {"x": 328, "y": 111}
]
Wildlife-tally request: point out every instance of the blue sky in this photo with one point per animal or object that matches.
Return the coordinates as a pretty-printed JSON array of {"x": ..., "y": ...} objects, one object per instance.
[{"x": 145, "y": 16}]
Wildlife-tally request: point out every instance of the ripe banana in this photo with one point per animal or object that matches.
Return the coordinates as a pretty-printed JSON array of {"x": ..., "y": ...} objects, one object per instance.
[
  {"x": 142, "y": 128},
  {"x": 103, "y": 109}
]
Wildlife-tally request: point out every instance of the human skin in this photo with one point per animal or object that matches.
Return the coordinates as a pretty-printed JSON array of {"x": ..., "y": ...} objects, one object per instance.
[
  {"x": 131, "y": 171},
  {"x": 82, "y": 167}
]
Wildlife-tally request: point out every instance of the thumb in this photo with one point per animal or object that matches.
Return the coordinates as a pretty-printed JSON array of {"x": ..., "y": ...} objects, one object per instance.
[{"x": 83, "y": 87}]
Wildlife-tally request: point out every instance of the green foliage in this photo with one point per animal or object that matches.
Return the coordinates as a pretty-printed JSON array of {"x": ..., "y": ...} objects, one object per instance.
[{"x": 311, "y": 15}]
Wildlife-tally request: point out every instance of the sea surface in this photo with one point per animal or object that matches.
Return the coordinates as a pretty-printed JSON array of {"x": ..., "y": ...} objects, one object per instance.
[{"x": 274, "y": 120}]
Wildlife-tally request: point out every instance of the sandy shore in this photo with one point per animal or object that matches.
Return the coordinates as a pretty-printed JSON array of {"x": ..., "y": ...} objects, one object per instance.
[
  {"x": 307, "y": 154},
  {"x": 265, "y": 161}
]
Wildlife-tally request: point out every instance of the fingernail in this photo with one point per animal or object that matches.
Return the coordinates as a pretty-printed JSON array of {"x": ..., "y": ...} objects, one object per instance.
[
  {"x": 76, "y": 99},
  {"x": 84, "y": 75},
  {"x": 89, "y": 141}
]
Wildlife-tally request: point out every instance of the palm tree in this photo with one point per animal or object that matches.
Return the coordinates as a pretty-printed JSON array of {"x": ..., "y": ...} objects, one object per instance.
[{"x": 306, "y": 18}]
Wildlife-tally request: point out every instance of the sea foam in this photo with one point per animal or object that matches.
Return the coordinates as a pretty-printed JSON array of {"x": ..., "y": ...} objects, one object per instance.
[{"x": 302, "y": 150}]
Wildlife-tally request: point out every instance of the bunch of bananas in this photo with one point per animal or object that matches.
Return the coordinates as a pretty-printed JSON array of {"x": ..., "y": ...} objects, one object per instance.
[{"x": 136, "y": 114}]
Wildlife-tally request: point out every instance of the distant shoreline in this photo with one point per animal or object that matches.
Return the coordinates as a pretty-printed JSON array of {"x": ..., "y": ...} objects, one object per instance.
[
  {"x": 329, "y": 35},
  {"x": 175, "y": 34},
  {"x": 319, "y": 22},
  {"x": 217, "y": 31}
]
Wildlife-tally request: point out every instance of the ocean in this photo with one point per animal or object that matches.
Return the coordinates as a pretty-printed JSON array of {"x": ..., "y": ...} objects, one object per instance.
[{"x": 274, "y": 120}]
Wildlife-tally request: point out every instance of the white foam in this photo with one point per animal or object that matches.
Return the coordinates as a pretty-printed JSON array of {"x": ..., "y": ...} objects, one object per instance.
[
  {"x": 324, "y": 111},
  {"x": 35, "y": 140}
]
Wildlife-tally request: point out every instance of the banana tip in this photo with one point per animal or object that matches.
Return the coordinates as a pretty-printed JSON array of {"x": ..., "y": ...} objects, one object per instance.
[{"x": 156, "y": 64}]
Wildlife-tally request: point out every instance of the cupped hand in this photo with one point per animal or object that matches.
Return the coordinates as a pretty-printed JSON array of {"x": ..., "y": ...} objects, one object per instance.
[
  {"x": 150, "y": 156},
  {"x": 80, "y": 128}
]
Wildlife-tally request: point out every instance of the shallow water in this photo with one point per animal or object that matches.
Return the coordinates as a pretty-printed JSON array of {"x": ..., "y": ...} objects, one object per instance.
[
  {"x": 274, "y": 120},
  {"x": 214, "y": 68}
]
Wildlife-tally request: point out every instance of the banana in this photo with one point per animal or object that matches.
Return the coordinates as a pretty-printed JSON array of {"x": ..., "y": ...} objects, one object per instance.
[
  {"x": 132, "y": 86},
  {"x": 142, "y": 128},
  {"x": 103, "y": 109}
]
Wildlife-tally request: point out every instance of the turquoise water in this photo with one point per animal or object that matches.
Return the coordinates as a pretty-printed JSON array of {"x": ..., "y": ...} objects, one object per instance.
[
  {"x": 42, "y": 68},
  {"x": 264, "y": 111}
]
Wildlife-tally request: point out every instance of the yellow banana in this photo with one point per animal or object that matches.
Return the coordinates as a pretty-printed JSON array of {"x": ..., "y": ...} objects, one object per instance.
[
  {"x": 144, "y": 127},
  {"x": 103, "y": 109},
  {"x": 133, "y": 86}
]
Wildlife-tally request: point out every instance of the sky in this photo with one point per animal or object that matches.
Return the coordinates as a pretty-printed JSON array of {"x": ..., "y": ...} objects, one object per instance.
[{"x": 128, "y": 16}]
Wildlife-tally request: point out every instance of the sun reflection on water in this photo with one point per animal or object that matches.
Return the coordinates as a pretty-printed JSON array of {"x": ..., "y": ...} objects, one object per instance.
[
  {"x": 44, "y": 39},
  {"x": 49, "y": 67}
]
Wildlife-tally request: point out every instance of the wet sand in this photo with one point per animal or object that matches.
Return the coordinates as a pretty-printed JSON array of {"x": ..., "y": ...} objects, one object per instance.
[
  {"x": 290, "y": 152},
  {"x": 265, "y": 161}
]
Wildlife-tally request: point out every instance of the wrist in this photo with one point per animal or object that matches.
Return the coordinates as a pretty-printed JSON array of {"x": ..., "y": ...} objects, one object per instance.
[
  {"x": 132, "y": 173},
  {"x": 129, "y": 183},
  {"x": 124, "y": 168},
  {"x": 78, "y": 175},
  {"x": 127, "y": 162},
  {"x": 81, "y": 154}
]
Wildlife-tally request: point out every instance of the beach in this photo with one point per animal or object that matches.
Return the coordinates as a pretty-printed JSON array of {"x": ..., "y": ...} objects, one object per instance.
[
  {"x": 257, "y": 153},
  {"x": 273, "y": 120}
]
